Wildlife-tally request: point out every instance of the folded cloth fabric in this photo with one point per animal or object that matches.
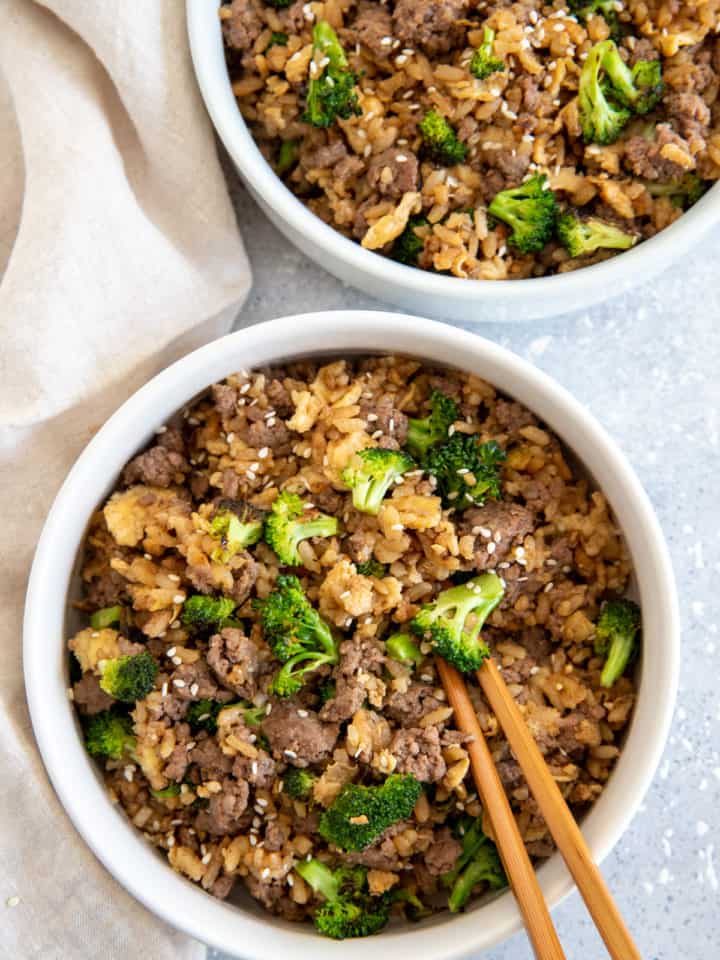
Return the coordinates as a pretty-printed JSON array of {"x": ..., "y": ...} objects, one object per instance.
[{"x": 119, "y": 252}]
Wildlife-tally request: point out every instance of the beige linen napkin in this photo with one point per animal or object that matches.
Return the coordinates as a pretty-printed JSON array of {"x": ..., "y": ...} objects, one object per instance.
[{"x": 119, "y": 251}]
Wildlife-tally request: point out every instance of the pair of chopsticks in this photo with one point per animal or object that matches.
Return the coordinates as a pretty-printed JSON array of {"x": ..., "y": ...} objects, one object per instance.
[{"x": 560, "y": 821}]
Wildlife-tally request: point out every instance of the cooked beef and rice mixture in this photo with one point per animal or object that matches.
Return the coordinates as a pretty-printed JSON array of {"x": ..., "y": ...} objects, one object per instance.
[
  {"x": 266, "y": 590},
  {"x": 404, "y": 123}
]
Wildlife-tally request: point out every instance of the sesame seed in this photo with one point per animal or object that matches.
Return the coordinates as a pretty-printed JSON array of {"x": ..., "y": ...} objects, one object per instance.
[
  {"x": 174, "y": 577},
  {"x": 164, "y": 689},
  {"x": 177, "y": 661},
  {"x": 265, "y": 873},
  {"x": 206, "y": 859},
  {"x": 491, "y": 547},
  {"x": 261, "y": 802},
  {"x": 244, "y": 388},
  {"x": 194, "y": 689},
  {"x": 303, "y": 714},
  {"x": 179, "y": 598},
  {"x": 386, "y": 42},
  {"x": 291, "y": 754},
  {"x": 254, "y": 767},
  {"x": 178, "y": 683},
  {"x": 171, "y": 651},
  {"x": 371, "y": 417},
  {"x": 262, "y": 453},
  {"x": 253, "y": 839},
  {"x": 549, "y": 587},
  {"x": 12, "y": 901}
]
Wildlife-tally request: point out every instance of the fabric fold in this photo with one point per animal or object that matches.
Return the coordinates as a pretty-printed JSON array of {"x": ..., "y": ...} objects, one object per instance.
[{"x": 119, "y": 252}]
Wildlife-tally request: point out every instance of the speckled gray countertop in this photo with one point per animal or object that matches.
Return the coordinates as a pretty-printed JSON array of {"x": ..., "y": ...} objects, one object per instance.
[{"x": 647, "y": 366}]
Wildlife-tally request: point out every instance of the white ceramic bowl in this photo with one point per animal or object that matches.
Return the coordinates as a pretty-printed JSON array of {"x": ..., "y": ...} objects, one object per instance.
[
  {"x": 246, "y": 930},
  {"x": 446, "y": 298}
]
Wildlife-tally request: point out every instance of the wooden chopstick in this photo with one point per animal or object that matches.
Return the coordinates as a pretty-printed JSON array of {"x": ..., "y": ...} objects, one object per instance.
[
  {"x": 511, "y": 848},
  {"x": 558, "y": 817}
]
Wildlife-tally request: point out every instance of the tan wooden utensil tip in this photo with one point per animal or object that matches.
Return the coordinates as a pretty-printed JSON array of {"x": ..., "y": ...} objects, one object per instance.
[
  {"x": 560, "y": 821},
  {"x": 511, "y": 848}
]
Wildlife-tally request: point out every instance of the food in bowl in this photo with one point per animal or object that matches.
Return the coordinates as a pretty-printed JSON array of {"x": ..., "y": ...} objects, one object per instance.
[
  {"x": 484, "y": 141},
  {"x": 267, "y": 588}
]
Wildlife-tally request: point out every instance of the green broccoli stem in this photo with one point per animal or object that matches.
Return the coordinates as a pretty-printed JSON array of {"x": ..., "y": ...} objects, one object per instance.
[
  {"x": 320, "y": 877},
  {"x": 621, "y": 650},
  {"x": 471, "y": 876},
  {"x": 402, "y": 647},
  {"x": 326, "y": 40},
  {"x": 107, "y": 617}
]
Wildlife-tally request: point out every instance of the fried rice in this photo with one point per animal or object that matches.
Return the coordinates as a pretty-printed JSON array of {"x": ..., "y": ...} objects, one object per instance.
[
  {"x": 212, "y": 800},
  {"x": 368, "y": 175}
]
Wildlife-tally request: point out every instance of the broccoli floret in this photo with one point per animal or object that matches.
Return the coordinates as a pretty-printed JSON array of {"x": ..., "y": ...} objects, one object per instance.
[
  {"x": 466, "y": 472},
  {"x": 371, "y": 474},
  {"x": 236, "y": 525},
  {"x": 331, "y": 92},
  {"x": 609, "y": 91},
  {"x": 529, "y": 210},
  {"x": 298, "y": 783},
  {"x": 483, "y": 62},
  {"x": 426, "y": 432},
  {"x": 478, "y": 862},
  {"x": 616, "y": 638},
  {"x": 412, "y": 905},
  {"x": 607, "y": 9},
  {"x": 348, "y": 910},
  {"x": 202, "y": 715},
  {"x": 296, "y": 634},
  {"x": 277, "y": 39},
  {"x": 372, "y": 568},
  {"x": 602, "y": 121},
  {"x": 206, "y": 613},
  {"x": 109, "y": 734},
  {"x": 360, "y": 814},
  {"x": 287, "y": 156},
  {"x": 683, "y": 193},
  {"x": 128, "y": 678},
  {"x": 107, "y": 617},
  {"x": 447, "y": 625},
  {"x": 440, "y": 140},
  {"x": 409, "y": 245},
  {"x": 253, "y": 716},
  {"x": 638, "y": 88},
  {"x": 581, "y": 237},
  {"x": 402, "y": 647},
  {"x": 289, "y": 523},
  {"x": 172, "y": 790}
]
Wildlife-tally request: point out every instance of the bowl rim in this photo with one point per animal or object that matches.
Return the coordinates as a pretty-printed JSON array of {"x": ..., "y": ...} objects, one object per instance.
[
  {"x": 585, "y": 285},
  {"x": 106, "y": 830}
]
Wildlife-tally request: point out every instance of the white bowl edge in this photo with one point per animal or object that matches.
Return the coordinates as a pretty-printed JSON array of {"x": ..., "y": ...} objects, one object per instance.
[
  {"x": 113, "y": 839},
  {"x": 408, "y": 288}
]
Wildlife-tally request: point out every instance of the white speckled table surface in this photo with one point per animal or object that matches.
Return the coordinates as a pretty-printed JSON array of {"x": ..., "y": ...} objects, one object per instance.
[{"x": 647, "y": 366}]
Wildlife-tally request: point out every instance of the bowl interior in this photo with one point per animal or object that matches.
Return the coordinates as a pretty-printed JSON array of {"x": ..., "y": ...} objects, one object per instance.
[{"x": 55, "y": 578}]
